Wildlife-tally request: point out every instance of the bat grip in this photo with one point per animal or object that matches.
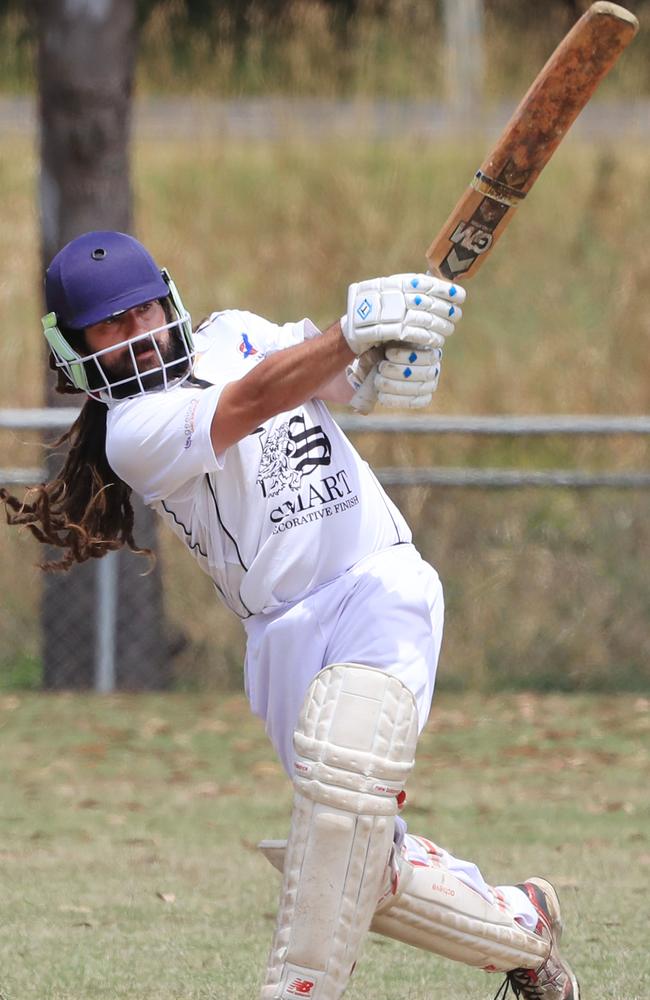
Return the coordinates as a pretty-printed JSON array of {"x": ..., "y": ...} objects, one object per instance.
[{"x": 365, "y": 397}]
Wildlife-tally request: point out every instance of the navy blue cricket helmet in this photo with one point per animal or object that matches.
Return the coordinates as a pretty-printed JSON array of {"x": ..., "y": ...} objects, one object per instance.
[{"x": 98, "y": 276}]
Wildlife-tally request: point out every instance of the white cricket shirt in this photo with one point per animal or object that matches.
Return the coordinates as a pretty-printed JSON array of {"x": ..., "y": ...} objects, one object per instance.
[{"x": 281, "y": 512}]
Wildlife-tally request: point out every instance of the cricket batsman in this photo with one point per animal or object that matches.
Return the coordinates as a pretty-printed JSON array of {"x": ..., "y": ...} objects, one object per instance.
[{"x": 225, "y": 431}]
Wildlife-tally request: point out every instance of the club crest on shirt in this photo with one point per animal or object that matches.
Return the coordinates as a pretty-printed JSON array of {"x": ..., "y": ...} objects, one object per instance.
[
  {"x": 246, "y": 348},
  {"x": 290, "y": 452}
]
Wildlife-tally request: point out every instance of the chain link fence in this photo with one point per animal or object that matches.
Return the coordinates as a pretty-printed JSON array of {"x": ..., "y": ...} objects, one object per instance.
[{"x": 545, "y": 588}]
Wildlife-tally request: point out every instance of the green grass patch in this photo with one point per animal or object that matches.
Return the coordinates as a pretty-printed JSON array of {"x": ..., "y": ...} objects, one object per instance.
[
  {"x": 22, "y": 674},
  {"x": 128, "y": 828}
]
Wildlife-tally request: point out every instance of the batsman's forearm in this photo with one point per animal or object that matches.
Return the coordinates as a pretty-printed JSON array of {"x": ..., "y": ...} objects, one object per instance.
[
  {"x": 286, "y": 379},
  {"x": 280, "y": 382}
]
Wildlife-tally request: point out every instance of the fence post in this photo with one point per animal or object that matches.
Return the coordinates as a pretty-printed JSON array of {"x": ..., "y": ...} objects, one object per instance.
[
  {"x": 464, "y": 59},
  {"x": 106, "y": 589}
]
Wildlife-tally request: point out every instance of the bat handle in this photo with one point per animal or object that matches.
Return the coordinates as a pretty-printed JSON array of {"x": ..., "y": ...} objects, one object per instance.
[{"x": 365, "y": 397}]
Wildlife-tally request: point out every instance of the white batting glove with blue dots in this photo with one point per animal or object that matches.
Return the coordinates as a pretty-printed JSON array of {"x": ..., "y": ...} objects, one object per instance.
[
  {"x": 417, "y": 309},
  {"x": 408, "y": 376},
  {"x": 403, "y": 376}
]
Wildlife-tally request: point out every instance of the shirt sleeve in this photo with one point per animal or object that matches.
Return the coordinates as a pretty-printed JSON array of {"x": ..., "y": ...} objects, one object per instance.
[
  {"x": 160, "y": 442},
  {"x": 273, "y": 337}
]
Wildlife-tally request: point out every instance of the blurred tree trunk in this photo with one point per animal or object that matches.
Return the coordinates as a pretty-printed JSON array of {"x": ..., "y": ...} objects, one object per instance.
[{"x": 86, "y": 59}]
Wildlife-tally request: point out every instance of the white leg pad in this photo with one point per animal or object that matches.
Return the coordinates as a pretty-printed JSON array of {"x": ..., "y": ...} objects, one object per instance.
[
  {"x": 434, "y": 910},
  {"x": 430, "y": 908},
  {"x": 355, "y": 744}
]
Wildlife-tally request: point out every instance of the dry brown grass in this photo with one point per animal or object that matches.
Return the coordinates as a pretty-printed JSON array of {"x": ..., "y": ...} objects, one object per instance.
[{"x": 395, "y": 49}]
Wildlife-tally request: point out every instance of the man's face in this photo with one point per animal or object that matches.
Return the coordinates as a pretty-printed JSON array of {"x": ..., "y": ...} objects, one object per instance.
[{"x": 118, "y": 365}]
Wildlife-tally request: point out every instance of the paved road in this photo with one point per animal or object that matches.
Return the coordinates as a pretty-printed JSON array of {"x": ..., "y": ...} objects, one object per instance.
[{"x": 274, "y": 118}]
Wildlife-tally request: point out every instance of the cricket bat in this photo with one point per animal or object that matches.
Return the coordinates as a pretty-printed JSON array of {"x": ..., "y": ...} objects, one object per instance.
[{"x": 552, "y": 103}]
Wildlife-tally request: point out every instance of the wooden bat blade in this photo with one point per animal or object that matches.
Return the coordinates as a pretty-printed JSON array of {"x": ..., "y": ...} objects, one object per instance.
[{"x": 546, "y": 112}]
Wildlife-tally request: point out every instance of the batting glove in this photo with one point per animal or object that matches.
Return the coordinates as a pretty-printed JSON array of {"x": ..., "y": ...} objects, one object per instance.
[
  {"x": 408, "y": 377},
  {"x": 403, "y": 376},
  {"x": 415, "y": 308}
]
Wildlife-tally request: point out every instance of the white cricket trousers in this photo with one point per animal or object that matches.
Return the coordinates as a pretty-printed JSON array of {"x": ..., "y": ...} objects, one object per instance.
[{"x": 386, "y": 612}]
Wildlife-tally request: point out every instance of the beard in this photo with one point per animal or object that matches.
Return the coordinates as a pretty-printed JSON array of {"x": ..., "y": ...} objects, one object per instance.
[{"x": 150, "y": 373}]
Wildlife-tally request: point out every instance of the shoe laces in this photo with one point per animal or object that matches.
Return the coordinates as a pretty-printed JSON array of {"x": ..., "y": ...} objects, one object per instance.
[{"x": 519, "y": 981}]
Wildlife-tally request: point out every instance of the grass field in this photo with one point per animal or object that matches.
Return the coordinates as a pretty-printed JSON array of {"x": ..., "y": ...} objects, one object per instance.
[{"x": 128, "y": 828}]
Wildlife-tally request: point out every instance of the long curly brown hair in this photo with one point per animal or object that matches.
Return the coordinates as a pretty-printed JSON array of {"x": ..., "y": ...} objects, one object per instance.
[{"x": 86, "y": 509}]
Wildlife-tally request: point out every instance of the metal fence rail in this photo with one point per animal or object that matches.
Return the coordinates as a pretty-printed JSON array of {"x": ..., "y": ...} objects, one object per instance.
[
  {"x": 534, "y": 425},
  {"x": 57, "y": 419},
  {"x": 512, "y": 478}
]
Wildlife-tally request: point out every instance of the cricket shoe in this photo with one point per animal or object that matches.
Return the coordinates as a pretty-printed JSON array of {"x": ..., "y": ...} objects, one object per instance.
[{"x": 553, "y": 980}]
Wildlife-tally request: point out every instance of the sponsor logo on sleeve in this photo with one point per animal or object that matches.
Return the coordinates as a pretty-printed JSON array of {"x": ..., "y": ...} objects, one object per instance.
[{"x": 189, "y": 423}]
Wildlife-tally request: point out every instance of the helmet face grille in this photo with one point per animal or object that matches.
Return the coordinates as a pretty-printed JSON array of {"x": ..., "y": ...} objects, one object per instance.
[{"x": 165, "y": 367}]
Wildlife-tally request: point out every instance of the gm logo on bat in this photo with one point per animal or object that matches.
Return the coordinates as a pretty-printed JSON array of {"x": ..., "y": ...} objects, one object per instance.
[
  {"x": 469, "y": 242},
  {"x": 472, "y": 238}
]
